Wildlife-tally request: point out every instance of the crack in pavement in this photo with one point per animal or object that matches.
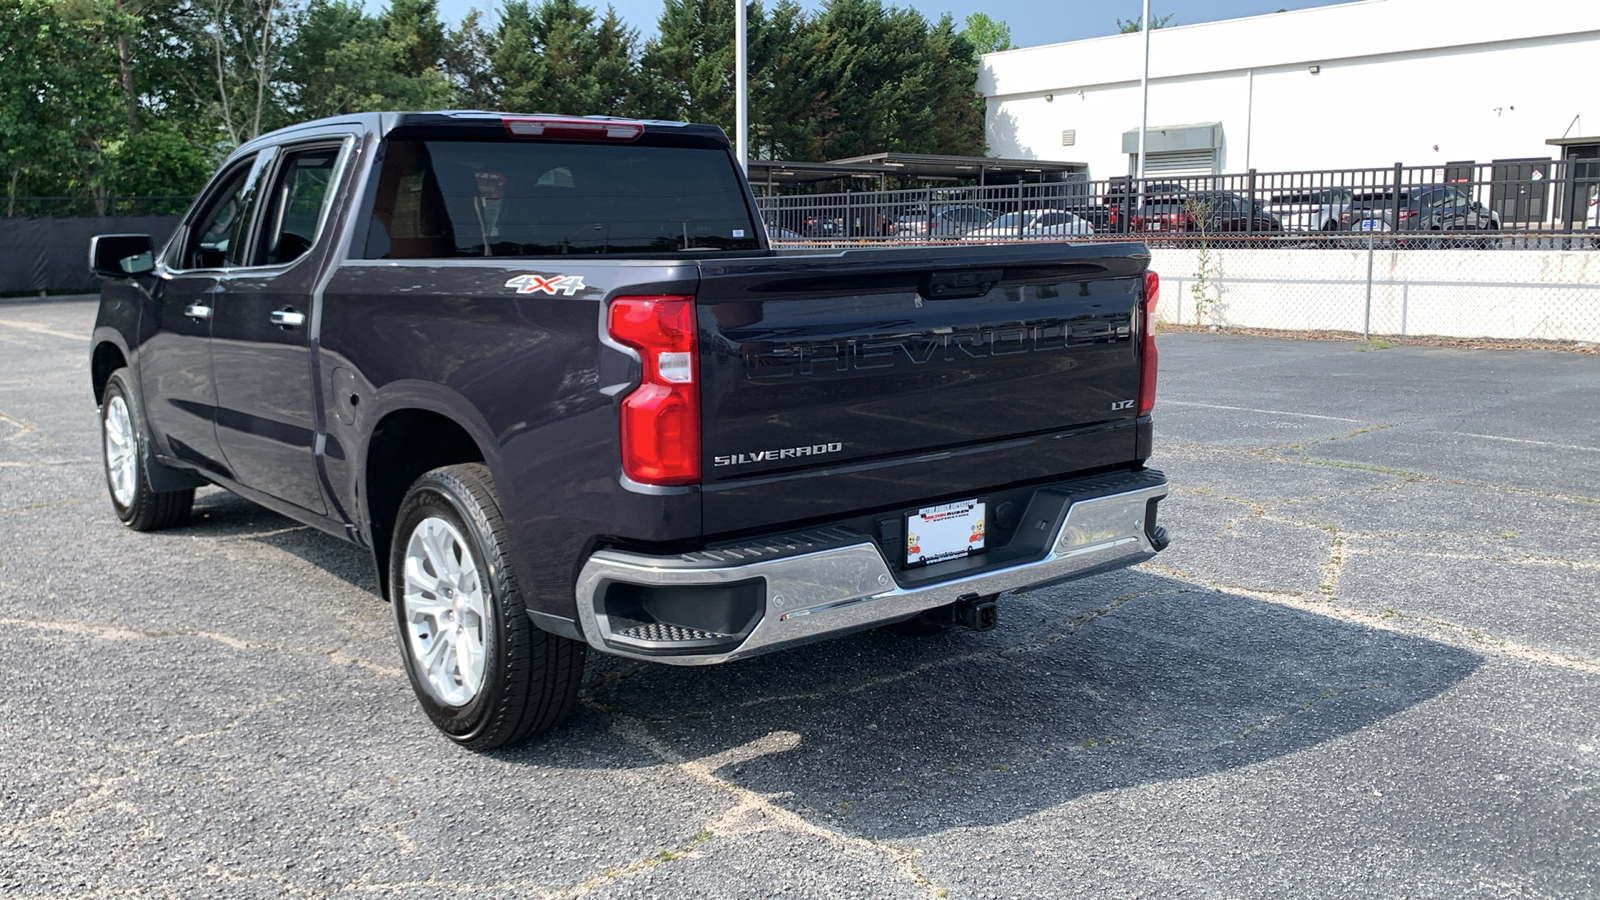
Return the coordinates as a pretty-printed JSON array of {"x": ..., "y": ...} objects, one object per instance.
[
  {"x": 1272, "y": 454},
  {"x": 1400, "y": 622},
  {"x": 1002, "y": 653},
  {"x": 22, "y": 427},
  {"x": 35, "y": 507},
  {"x": 1304, "y": 706},
  {"x": 643, "y": 864},
  {"x": 748, "y": 803},
  {"x": 111, "y": 632},
  {"x": 1333, "y": 567}
]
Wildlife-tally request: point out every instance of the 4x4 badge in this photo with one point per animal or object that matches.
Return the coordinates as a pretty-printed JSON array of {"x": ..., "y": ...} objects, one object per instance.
[{"x": 562, "y": 284}]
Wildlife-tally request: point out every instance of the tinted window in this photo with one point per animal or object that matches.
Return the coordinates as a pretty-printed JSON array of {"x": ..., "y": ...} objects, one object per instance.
[
  {"x": 216, "y": 240},
  {"x": 482, "y": 198},
  {"x": 295, "y": 205}
]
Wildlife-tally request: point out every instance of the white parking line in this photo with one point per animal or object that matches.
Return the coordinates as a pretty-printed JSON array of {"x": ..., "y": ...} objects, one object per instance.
[
  {"x": 42, "y": 329},
  {"x": 1270, "y": 412},
  {"x": 1496, "y": 437}
]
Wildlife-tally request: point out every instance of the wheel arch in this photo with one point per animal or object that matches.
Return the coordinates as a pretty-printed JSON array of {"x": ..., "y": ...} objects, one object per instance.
[
  {"x": 107, "y": 357},
  {"x": 406, "y": 442}
]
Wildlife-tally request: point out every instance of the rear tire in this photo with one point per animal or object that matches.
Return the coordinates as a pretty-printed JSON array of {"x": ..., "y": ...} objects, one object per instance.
[
  {"x": 123, "y": 453},
  {"x": 482, "y": 672}
]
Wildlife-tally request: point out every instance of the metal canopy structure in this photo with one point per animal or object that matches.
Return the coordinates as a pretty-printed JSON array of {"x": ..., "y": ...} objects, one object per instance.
[{"x": 924, "y": 167}]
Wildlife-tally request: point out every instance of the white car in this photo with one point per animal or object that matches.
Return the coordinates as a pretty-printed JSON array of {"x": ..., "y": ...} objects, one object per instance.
[
  {"x": 1311, "y": 210},
  {"x": 1032, "y": 224}
]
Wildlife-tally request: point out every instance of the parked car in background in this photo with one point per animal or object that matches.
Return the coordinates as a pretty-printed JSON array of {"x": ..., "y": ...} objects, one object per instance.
[
  {"x": 1423, "y": 208},
  {"x": 1213, "y": 210},
  {"x": 1313, "y": 210},
  {"x": 779, "y": 233},
  {"x": 826, "y": 224},
  {"x": 942, "y": 220},
  {"x": 1121, "y": 201},
  {"x": 1032, "y": 224}
]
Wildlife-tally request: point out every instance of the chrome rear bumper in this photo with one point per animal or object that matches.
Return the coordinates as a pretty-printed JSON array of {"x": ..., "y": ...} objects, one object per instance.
[{"x": 814, "y": 595}]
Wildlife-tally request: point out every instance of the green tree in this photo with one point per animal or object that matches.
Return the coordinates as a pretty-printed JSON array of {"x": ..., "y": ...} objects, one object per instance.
[
  {"x": 987, "y": 35},
  {"x": 468, "y": 66},
  {"x": 517, "y": 65},
  {"x": 556, "y": 57},
  {"x": 416, "y": 35},
  {"x": 691, "y": 60},
  {"x": 1136, "y": 24},
  {"x": 60, "y": 97},
  {"x": 231, "y": 52},
  {"x": 157, "y": 161},
  {"x": 906, "y": 85},
  {"x": 794, "y": 85},
  {"x": 343, "y": 60}
]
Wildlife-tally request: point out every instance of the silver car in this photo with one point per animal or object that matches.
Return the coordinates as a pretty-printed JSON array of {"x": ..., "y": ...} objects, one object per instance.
[
  {"x": 1322, "y": 209},
  {"x": 1033, "y": 224}
]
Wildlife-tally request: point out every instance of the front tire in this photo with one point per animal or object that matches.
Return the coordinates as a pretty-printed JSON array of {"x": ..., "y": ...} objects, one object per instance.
[
  {"x": 482, "y": 672},
  {"x": 123, "y": 449}
]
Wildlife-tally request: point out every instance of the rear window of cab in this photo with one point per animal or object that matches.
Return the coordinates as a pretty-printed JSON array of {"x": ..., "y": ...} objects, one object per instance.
[{"x": 439, "y": 199}]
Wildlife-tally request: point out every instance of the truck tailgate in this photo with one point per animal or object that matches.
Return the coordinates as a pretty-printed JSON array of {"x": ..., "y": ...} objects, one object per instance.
[{"x": 833, "y": 362}]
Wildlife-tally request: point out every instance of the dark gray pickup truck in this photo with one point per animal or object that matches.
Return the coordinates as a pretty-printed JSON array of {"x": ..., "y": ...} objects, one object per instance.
[{"x": 551, "y": 373}]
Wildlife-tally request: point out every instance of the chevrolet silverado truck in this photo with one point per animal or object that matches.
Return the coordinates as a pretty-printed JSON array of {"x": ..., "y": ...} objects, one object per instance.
[{"x": 551, "y": 373}]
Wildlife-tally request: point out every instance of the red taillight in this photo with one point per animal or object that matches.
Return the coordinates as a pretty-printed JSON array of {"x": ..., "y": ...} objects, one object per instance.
[
  {"x": 1147, "y": 357},
  {"x": 560, "y": 128},
  {"x": 1407, "y": 213},
  {"x": 660, "y": 417}
]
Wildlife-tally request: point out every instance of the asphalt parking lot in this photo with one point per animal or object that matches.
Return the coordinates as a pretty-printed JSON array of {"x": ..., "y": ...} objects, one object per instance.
[{"x": 1368, "y": 666}]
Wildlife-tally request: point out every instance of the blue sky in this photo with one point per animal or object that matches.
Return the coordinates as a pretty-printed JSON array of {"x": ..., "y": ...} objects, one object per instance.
[{"x": 1032, "y": 22}]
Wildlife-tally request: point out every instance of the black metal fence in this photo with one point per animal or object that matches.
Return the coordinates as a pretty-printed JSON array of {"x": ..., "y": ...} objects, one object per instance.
[{"x": 1538, "y": 197}]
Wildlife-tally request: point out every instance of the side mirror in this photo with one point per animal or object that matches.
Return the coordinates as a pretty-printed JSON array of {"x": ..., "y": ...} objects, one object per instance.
[{"x": 121, "y": 255}]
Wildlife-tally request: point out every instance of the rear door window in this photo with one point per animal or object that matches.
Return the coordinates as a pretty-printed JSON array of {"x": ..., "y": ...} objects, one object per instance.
[
  {"x": 443, "y": 198},
  {"x": 296, "y": 204}
]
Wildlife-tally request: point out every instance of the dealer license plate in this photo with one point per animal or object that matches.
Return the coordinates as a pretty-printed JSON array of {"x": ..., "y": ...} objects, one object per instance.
[{"x": 947, "y": 531}]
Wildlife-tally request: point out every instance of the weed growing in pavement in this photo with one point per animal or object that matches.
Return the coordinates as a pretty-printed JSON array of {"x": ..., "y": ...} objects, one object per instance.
[{"x": 1205, "y": 266}]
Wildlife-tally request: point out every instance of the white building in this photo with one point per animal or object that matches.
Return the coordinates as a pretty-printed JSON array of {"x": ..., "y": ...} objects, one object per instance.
[{"x": 1363, "y": 84}]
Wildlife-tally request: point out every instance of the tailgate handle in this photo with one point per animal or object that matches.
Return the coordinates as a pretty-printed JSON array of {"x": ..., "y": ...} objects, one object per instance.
[{"x": 955, "y": 285}]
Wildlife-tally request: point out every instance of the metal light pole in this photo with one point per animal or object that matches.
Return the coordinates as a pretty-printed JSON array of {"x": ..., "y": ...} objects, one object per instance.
[
  {"x": 1144, "y": 89},
  {"x": 741, "y": 94}
]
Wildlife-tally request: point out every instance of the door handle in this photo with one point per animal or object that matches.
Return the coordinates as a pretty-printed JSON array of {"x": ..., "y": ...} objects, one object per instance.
[
  {"x": 197, "y": 311},
  {"x": 288, "y": 318}
]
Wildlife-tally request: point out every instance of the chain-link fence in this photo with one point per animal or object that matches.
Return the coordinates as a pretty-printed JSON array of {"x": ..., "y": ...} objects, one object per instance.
[{"x": 1530, "y": 287}]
